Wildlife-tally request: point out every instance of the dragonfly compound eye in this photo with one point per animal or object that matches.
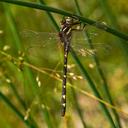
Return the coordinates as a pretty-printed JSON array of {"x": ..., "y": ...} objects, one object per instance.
[{"x": 69, "y": 20}]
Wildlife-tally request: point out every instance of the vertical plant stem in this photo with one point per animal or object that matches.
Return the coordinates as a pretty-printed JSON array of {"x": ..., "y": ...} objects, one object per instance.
[
  {"x": 105, "y": 85},
  {"x": 21, "y": 101},
  {"x": 12, "y": 26},
  {"x": 113, "y": 21},
  {"x": 93, "y": 87},
  {"x": 17, "y": 43},
  {"x": 18, "y": 113},
  {"x": 47, "y": 117},
  {"x": 78, "y": 106}
]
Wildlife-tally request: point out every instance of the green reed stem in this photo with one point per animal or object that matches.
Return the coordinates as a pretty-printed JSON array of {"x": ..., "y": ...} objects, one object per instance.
[
  {"x": 12, "y": 27},
  {"x": 65, "y": 13},
  {"x": 18, "y": 113},
  {"x": 18, "y": 46},
  {"x": 113, "y": 21},
  {"x": 105, "y": 85},
  {"x": 93, "y": 87}
]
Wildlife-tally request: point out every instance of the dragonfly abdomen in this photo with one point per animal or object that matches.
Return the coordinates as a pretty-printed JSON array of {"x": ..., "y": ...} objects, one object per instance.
[{"x": 65, "y": 37}]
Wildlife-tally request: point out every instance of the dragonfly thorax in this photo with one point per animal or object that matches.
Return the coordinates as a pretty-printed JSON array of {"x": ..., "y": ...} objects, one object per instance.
[
  {"x": 67, "y": 21},
  {"x": 66, "y": 29}
]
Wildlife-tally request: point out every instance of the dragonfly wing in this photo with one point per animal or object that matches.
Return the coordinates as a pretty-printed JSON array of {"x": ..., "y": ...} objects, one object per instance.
[
  {"x": 83, "y": 47},
  {"x": 36, "y": 42},
  {"x": 40, "y": 38}
]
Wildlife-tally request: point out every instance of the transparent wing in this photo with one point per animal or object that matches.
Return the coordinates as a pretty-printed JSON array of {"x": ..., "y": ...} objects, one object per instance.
[
  {"x": 39, "y": 38},
  {"x": 40, "y": 43},
  {"x": 84, "y": 47},
  {"x": 79, "y": 42}
]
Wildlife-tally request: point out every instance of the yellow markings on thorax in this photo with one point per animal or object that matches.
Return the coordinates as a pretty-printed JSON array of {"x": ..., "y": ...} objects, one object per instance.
[
  {"x": 69, "y": 31},
  {"x": 64, "y": 29}
]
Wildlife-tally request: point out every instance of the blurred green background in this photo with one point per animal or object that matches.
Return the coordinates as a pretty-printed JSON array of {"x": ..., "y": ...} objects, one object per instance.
[{"x": 31, "y": 67}]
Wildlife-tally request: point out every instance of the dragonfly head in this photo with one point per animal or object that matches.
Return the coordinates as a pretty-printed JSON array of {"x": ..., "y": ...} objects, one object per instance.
[
  {"x": 72, "y": 22},
  {"x": 67, "y": 21}
]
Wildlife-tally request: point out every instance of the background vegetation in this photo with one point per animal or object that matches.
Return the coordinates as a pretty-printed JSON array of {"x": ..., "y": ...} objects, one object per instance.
[{"x": 31, "y": 66}]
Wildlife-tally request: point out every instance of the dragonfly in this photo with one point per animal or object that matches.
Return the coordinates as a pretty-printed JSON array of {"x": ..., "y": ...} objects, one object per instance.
[
  {"x": 65, "y": 35},
  {"x": 68, "y": 28}
]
